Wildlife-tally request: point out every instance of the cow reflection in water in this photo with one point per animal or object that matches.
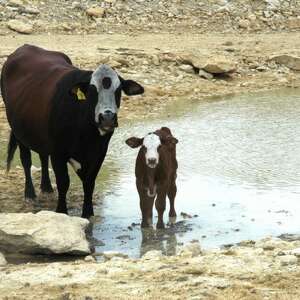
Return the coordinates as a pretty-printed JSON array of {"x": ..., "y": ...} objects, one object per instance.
[{"x": 162, "y": 240}]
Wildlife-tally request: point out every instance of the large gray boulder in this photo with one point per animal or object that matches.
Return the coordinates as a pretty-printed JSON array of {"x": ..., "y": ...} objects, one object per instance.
[{"x": 45, "y": 232}]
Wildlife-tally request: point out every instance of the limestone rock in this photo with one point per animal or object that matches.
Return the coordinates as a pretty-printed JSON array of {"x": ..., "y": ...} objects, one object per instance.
[
  {"x": 110, "y": 254},
  {"x": 3, "y": 261},
  {"x": 288, "y": 260},
  {"x": 219, "y": 65},
  {"x": 20, "y": 26},
  {"x": 191, "y": 250},
  {"x": 45, "y": 232},
  {"x": 205, "y": 75},
  {"x": 290, "y": 61},
  {"x": 15, "y": 3},
  {"x": 152, "y": 255},
  {"x": 187, "y": 69},
  {"x": 271, "y": 243},
  {"x": 97, "y": 12}
]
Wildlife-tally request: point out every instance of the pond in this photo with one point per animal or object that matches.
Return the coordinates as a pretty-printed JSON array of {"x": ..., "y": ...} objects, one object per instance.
[{"x": 238, "y": 176}]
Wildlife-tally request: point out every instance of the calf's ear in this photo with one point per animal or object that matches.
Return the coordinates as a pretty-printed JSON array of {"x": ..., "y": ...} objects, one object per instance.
[
  {"x": 134, "y": 142},
  {"x": 130, "y": 87},
  {"x": 170, "y": 140}
]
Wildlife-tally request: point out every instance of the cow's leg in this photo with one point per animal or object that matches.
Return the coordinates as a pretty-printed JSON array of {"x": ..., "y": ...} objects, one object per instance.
[
  {"x": 45, "y": 179},
  {"x": 171, "y": 195},
  {"x": 88, "y": 188},
  {"x": 60, "y": 169},
  {"x": 25, "y": 156},
  {"x": 160, "y": 205}
]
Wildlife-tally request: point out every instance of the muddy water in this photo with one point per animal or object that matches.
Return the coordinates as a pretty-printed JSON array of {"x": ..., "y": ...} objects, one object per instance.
[{"x": 238, "y": 175}]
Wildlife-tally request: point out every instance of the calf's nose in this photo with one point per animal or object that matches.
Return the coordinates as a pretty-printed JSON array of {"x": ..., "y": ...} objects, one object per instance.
[{"x": 152, "y": 161}]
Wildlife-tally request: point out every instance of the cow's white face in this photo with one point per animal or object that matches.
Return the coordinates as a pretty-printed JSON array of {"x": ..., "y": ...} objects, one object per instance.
[
  {"x": 108, "y": 86},
  {"x": 152, "y": 142}
]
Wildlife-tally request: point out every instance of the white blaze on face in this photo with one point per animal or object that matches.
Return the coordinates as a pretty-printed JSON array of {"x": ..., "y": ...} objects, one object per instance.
[
  {"x": 106, "y": 96},
  {"x": 151, "y": 143}
]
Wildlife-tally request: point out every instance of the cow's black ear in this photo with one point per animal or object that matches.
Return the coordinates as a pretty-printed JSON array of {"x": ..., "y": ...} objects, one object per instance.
[
  {"x": 134, "y": 142},
  {"x": 130, "y": 87}
]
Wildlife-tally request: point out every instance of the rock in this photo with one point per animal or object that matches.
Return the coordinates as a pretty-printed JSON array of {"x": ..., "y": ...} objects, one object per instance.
[
  {"x": 45, "y": 232},
  {"x": 295, "y": 252},
  {"x": 20, "y": 26},
  {"x": 205, "y": 75},
  {"x": 244, "y": 24},
  {"x": 97, "y": 12},
  {"x": 288, "y": 260},
  {"x": 89, "y": 258},
  {"x": 31, "y": 10},
  {"x": 15, "y": 3},
  {"x": 110, "y": 254},
  {"x": 187, "y": 69},
  {"x": 191, "y": 250},
  {"x": 293, "y": 23},
  {"x": 271, "y": 243},
  {"x": 152, "y": 255},
  {"x": 219, "y": 65},
  {"x": 3, "y": 261},
  {"x": 290, "y": 61}
]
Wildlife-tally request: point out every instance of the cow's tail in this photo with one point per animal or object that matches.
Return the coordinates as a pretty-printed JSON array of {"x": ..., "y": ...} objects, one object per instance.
[{"x": 11, "y": 149}]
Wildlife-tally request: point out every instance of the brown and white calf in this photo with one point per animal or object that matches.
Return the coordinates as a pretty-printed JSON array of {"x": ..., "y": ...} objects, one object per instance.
[{"x": 155, "y": 172}]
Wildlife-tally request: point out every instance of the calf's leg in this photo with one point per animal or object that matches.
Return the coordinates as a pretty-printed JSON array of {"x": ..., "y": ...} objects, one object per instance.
[
  {"x": 25, "y": 156},
  {"x": 160, "y": 205},
  {"x": 171, "y": 195},
  {"x": 143, "y": 204},
  {"x": 45, "y": 179},
  {"x": 60, "y": 169}
]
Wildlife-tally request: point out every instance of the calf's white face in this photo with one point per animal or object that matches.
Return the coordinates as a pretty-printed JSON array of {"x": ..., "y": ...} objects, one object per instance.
[{"x": 151, "y": 143}]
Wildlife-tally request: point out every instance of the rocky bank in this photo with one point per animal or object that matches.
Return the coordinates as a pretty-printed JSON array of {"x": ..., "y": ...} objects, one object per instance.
[{"x": 267, "y": 269}]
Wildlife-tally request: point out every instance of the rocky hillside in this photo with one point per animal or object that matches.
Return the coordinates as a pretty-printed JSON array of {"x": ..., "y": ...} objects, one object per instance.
[{"x": 120, "y": 16}]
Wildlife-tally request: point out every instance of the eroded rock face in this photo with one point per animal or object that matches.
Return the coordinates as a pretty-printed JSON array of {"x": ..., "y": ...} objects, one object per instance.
[{"x": 45, "y": 232}]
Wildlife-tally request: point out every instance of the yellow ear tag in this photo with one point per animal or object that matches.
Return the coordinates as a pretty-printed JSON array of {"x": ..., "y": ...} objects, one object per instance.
[{"x": 80, "y": 95}]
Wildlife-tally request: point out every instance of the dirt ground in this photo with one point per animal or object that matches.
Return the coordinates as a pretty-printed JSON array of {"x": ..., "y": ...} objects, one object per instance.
[{"x": 155, "y": 60}]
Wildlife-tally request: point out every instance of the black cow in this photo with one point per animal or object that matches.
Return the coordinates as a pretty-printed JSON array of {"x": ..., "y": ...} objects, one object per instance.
[{"x": 56, "y": 109}]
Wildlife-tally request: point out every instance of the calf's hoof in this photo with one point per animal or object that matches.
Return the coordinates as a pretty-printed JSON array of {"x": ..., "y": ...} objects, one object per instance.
[
  {"x": 144, "y": 224},
  {"x": 172, "y": 220},
  {"x": 160, "y": 225},
  {"x": 172, "y": 214}
]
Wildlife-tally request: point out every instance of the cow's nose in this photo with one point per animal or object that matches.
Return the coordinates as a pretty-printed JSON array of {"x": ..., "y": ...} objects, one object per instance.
[
  {"x": 108, "y": 119},
  {"x": 152, "y": 161}
]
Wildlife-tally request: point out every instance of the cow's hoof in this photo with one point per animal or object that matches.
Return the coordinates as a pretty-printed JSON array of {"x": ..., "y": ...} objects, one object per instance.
[
  {"x": 87, "y": 215},
  {"x": 61, "y": 210},
  {"x": 160, "y": 225},
  {"x": 30, "y": 200},
  {"x": 47, "y": 190}
]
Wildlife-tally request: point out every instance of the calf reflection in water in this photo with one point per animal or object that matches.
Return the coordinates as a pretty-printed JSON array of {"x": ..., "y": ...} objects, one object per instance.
[
  {"x": 155, "y": 172},
  {"x": 161, "y": 240}
]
